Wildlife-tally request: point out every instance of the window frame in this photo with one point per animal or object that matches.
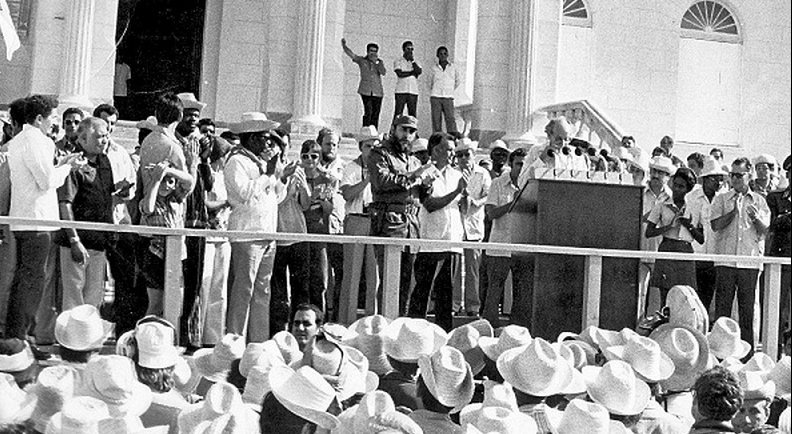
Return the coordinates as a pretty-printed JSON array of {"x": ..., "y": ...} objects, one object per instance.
[
  {"x": 712, "y": 35},
  {"x": 576, "y": 21}
]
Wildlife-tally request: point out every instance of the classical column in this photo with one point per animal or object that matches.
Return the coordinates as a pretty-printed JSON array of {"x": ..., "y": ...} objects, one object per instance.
[
  {"x": 522, "y": 52},
  {"x": 309, "y": 68},
  {"x": 75, "y": 85}
]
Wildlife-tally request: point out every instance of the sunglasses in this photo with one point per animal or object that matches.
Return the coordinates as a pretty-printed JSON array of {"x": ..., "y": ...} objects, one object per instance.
[
  {"x": 71, "y": 122},
  {"x": 310, "y": 156}
]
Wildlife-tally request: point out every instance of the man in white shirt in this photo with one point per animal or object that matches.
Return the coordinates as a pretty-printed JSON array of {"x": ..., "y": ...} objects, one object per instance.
[
  {"x": 445, "y": 80},
  {"x": 407, "y": 70},
  {"x": 34, "y": 180}
]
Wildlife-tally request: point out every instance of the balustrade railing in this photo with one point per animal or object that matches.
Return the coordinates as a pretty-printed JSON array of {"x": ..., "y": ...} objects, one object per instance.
[{"x": 590, "y": 121}]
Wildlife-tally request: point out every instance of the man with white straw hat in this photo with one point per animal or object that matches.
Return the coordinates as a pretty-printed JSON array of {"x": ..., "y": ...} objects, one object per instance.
[
  {"x": 502, "y": 421},
  {"x": 80, "y": 415},
  {"x": 257, "y": 383},
  {"x": 583, "y": 417},
  {"x": 214, "y": 363},
  {"x": 113, "y": 380},
  {"x": 253, "y": 191},
  {"x": 724, "y": 340},
  {"x": 11, "y": 400},
  {"x": 538, "y": 371},
  {"x": 757, "y": 396},
  {"x": 445, "y": 386},
  {"x": 80, "y": 333},
  {"x": 511, "y": 336},
  {"x": 223, "y": 409},
  {"x": 466, "y": 337},
  {"x": 495, "y": 395},
  {"x": 366, "y": 334},
  {"x": 16, "y": 359},
  {"x": 375, "y": 413},
  {"x": 55, "y": 386},
  {"x": 615, "y": 387},
  {"x": 305, "y": 395}
]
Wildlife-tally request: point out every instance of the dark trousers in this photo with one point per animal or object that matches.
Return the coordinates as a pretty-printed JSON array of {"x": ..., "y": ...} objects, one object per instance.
[
  {"x": 405, "y": 99},
  {"x": 395, "y": 225},
  {"x": 705, "y": 281},
  {"x": 130, "y": 302},
  {"x": 523, "y": 267},
  {"x": 743, "y": 281},
  {"x": 371, "y": 109},
  {"x": 318, "y": 272},
  {"x": 335, "y": 261},
  {"x": 434, "y": 270},
  {"x": 443, "y": 108},
  {"x": 291, "y": 261},
  {"x": 30, "y": 277},
  {"x": 193, "y": 275}
]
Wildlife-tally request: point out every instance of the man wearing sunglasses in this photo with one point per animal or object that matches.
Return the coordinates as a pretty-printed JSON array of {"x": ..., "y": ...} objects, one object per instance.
[
  {"x": 68, "y": 143},
  {"x": 740, "y": 219}
]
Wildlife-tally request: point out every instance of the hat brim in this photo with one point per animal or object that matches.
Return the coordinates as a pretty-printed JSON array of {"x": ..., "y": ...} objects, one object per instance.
[
  {"x": 193, "y": 105},
  {"x": 253, "y": 126},
  {"x": 321, "y": 418},
  {"x": 457, "y": 398},
  {"x": 683, "y": 379},
  {"x": 738, "y": 352},
  {"x": 137, "y": 404},
  {"x": 489, "y": 345},
  {"x": 205, "y": 365},
  {"x": 439, "y": 338},
  {"x": 569, "y": 382},
  {"x": 636, "y": 406},
  {"x": 663, "y": 370},
  {"x": 65, "y": 340}
]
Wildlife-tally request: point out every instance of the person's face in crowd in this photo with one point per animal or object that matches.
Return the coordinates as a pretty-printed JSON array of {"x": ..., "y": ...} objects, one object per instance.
[
  {"x": 442, "y": 56},
  {"x": 752, "y": 415},
  {"x": 763, "y": 171},
  {"x": 658, "y": 152},
  {"x": 264, "y": 146},
  {"x": 70, "y": 124},
  {"x": 95, "y": 141},
  {"x": 678, "y": 188},
  {"x": 499, "y": 158},
  {"x": 310, "y": 158},
  {"x": 717, "y": 155},
  {"x": 667, "y": 144},
  {"x": 167, "y": 186},
  {"x": 422, "y": 156},
  {"x": 712, "y": 184},
  {"x": 330, "y": 147},
  {"x": 694, "y": 166},
  {"x": 190, "y": 118},
  {"x": 466, "y": 159},
  {"x": 111, "y": 121},
  {"x": 404, "y": 136},
  {"x": 207, "y": 130},
  {"x": 304, "y": 327},
  {"x": 49, "y": 124},
  {"x": 516, "y": 167},
  {"x": 365, "y": 148},
  {"x": 408, "y": 52},
  {"x": 627, "y": 142},
  {"x": 740, "y": 176},
  {"x": 372, "y": 53},
  {"x": 442, "y": 154},
  {"x": 658, "y": 178}
]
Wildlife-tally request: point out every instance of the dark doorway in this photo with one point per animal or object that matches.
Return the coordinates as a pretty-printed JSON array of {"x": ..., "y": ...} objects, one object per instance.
[{"x": 161, "y": 41}]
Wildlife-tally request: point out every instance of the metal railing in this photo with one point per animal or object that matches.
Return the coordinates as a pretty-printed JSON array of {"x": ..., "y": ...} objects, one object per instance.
[{"x": 392, "y": 247}]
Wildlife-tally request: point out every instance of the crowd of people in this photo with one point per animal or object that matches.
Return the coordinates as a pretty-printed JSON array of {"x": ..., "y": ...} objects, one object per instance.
[{"x": 319, "y": 373}]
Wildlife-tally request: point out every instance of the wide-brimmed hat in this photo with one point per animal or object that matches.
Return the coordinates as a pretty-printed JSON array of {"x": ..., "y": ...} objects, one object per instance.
[
  {"x": 495, "y": 395},
  {"x": 615, "y": 387},
  {"x": 465, "y": 338},
  {"x": 368, "y": 133},
  {"x": 724, "y": 339},
  {"x": 538, "y": 369},
  {"x": 465, "y": 144},
  {"x": 214, "y": 363},
  {"x": 781, "y": 375},
  {"x": 11, "y": 400},
  {"x": 499, "y": 144},
  {"x": 256, "y": 353},
  {"x": 759, "y": 362},
  {"x": 502, "y": 421},
  {"x": 54, "y": 386},
  {"x": 305, "y": 393},
  {"x": 583, "y": 417},
  {"x": 765, "y": 159},
  {"x": 186, "y": 375},
  {"x": 80, "y": 415},
  {"x": 406, "y": 120},
  {"x": 334, "y": 330},
  {"x": 754, "y": 386},
  {"x": 222, "y": 407},
  {"x": 365, "y": 334},
  {"x": 420, "y": 145},
  {"x": 583, "y": 354},
  {"x": 663, "y": 164},
  {"x": 447, "y": 377},
  {"x": 129, "y": 425},
  {"x": 156, "y": 345},
  {"x": 688, "y": 349},
  {"x": 512, "y": 336},
  {"x": 189, "y": 101},
  {"x": 376, "y": 413},
  {"x": 685, "y": 308},
  {"x": 16, "y": 358},
  {"x": 645, "y": 357},
  {"x": 113, "y": 379},
  {"x": 81, "y": 328},
  {"x": 147, "y": 124},
  {"x": 712, "y": 167},
  {"x": 288, "y": 346},
  {"x": 406, "y": 339},
  {"x": 257, "y": 384},
  {"x": 253, "y": 122}
]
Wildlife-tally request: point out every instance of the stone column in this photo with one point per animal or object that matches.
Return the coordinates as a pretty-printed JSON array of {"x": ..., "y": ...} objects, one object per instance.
[
  {"x": 74, "y": 83},
  {"x": 522, "y": 52},
  {"x": 306, "y": 120}
]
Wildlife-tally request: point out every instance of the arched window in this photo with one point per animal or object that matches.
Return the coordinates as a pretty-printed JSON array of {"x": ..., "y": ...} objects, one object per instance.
[
  {"x": 575, "y": 13},
  {"x": 710, "y": 21}
]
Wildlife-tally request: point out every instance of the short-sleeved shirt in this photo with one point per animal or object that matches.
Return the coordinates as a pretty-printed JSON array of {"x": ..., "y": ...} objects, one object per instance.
[
  {"x": 697, "y": 202},
  {"x": 740, "y": 236},
  {"x": 370, "y": 76},
  {"x": 663, "y": 213},
  {"x": 335, "y": 170},
  {"x": 501, "y": 192},
  {"x": 444, "y": 223},
  {"x": 89, "y": 189},
  {"x": 353, "y": 175},
  {"x": 477, "y": 190},
  {"x": 649, "y": 201},
  {"x": 405, "y": 84}
]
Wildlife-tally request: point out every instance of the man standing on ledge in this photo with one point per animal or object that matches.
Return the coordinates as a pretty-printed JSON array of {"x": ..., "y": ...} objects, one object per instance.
[
  {"x": 395, "y": 180},
  {"x": 445, "y": 80},
  {"x": 408, "y": 71},
  {"x": 370, "y": 89}
]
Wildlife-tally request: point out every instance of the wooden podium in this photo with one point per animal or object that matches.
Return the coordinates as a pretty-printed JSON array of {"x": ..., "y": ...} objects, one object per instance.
[{"x": 578, "y": 214}]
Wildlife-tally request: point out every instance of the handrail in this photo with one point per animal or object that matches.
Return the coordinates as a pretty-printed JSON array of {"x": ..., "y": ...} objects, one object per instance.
[{"x": 590, "y": 115}]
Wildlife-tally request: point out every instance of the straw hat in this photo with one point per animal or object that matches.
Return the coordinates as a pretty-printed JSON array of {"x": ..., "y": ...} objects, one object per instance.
[
  {"x": 11, "y": 399},
  {"x": 288, "y": 346},
  {"x": 80, "y": 415},
  {"x": 305, "y": 393},
  {"x": 499, "y": 144},
  {"x": 190, "y": 102},
  {"x": 645, "y": 357},
  {"x": 113, "y": 380},
  {"x": 754, "y": 386},
  {"x": 335, "y": 330},
  {"x": 688, "y": 349},
  {"x": 495, "y": 395},
  {"x": 355, "y": 376},
  {"x": 615, "y": 387},
  {"x": 512, "y": 336},
  {"x": 129, "y": 425},
  {"x": 765, "y": 159},
  {"x": 82, "y": 328},
  {"x": 685, "y": 308},
  {"x": 447, "y": 377},
  {"x": 368, "y": 133},
  {"x": 406, "y": 339},
  {"x": 214, "y": 363},
  {"x": 256, "y": 353},
  {"x": 16, "y": 358},
  {"x": 761, "y": 363},
  {"x": 781, "y": 375},
  {"x": 465, "y": 144},
  {"x": 54, "y": 386},
  {"x": 257, "y": 385},
  {"x": 186, "y": 375},
  {"x": 712, "y": 167},
  {"x": 732, "y": 364},
  {"x": 582, "y": 417},
  {"x": 465, "y": 338},
  {"x": 724, "y": 339},
  {"x": 663, "y": 164},
  {"x": 253, "y": 122},
  {"x": 539, "y": 370},
  {"x": 156, "y": 345},
  {"x": 420, "y": 145},
  {"x": 377, "y": 413},
  {"x": 147, "y": 124},
  {"x": 222, "y": 408},
  {"x": 365, "y": 334},
  {"x": 502, "y": 421},
  {"x": 582, "y": 353}
]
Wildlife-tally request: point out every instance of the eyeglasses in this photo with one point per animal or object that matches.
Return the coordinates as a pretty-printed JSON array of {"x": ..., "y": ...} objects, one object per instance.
[
  {"x": 310, "y": 156},
  {"x": 71, "y": 122}
]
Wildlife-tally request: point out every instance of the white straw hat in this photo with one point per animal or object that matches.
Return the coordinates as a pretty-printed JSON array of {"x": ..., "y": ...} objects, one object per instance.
[
  {"x": 289, "y": 348},
  {"x": 754, "y": 386},
  {"x": 781, "y": 375},
  {"x": 645, "y": 357},
  {"x": 724, "y": 339},
  {"x": 253, "y": 122},
  {"x": 256, "y": 353},
  {"x": 512, "y": 336},
  {"x": 685, "y": 308},
  {"x": 257, "y": 384},
  {"x": 156, "y": 345},
  {"x": 214, "y": 363},
  {"x": 222, "y": 408},
  {"x": 538, "y": 369},
  {"x": 113, "y": 380},
  {"x": 688, "y": 349},
  {"x": 465, "y": 338},
  {"x": 80, "y": 415},
  {"x": 54, "y": 386},
  {"x": 447, "y": 377},
  {"x": 761, "y": 363},
  {"x": 81, "y": 328},
  {"x": 406, "y": 339},
  {"x": 365, "y": 334},
  {"x": 495, "y": 395},
  {"x": 616, "y": 388},
  {"x": 502, "y": 421},
  {"x": 190, "y": 102},
  {"x": 305, "y": 393},
  {"x": 712, "y": 167},
  {"x": 11, "y": 399},
  {"x": 583, "y": 417}
]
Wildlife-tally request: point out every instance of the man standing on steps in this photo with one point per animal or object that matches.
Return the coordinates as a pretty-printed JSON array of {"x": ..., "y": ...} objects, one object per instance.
[
  {"x": 445, "y": 80},
  {"x": 370, "y": 89},
  {"x": 408, "y": 72}
]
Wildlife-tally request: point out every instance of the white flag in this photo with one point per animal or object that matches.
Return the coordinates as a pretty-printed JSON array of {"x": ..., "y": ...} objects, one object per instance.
[{"x": 8, "y": 31}]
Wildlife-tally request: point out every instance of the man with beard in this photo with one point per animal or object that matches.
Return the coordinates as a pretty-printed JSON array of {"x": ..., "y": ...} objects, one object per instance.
[
  {"x": 395, "y": 181},
  {"x": 333, "y": 167}
]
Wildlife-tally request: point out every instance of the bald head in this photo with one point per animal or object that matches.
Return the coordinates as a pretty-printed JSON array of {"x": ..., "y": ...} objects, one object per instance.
[{"x": 93, "y": 136}]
